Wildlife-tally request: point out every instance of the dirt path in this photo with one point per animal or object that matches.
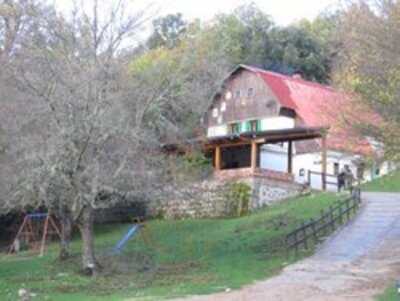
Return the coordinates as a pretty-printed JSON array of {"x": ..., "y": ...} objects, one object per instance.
[{"x": 358, "y": 262}]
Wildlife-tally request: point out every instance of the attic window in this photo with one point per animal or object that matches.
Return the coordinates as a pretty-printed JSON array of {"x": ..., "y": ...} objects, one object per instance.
[
  {"x": 271, "y": 105},
  {"x": 223, "y": 106},
  {"x": 228, "y": 95},
  {"x": 215, "y": 112},
  {"x": 250, "y": 92}
]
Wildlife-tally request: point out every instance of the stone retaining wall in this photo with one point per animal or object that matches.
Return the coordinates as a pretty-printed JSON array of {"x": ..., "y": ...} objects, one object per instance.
[{"x": 209, "y": 199}]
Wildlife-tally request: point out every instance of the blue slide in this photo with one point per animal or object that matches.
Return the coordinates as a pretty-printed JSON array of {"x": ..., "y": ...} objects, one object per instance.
[{"x": 121, "y": 244}]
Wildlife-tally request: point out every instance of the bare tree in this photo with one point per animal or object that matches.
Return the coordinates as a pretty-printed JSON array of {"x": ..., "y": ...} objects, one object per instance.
[
  {"x": 93, "y": 127},
  {"x": 88, "y": 146}
]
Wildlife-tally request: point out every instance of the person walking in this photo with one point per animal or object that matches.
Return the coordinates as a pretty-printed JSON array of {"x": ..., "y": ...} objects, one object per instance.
[{"x": 341, "y": 180}]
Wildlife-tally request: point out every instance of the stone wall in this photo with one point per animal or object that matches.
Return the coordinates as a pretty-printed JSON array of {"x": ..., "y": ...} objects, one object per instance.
[
  {"x": 209, "y": 198},
  {"x": 266, "y": 191},
  {"x": 204, "y": 200}
]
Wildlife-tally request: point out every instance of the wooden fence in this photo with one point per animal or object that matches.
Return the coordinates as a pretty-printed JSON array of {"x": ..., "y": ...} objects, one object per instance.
[
  {"x": 320, "y": 174},
  {"x": 315, "y": 229}
]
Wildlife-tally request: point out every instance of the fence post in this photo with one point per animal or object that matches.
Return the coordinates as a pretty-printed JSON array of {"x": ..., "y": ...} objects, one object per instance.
[
  {"x": 355, "y": 205},
  {"x": 287, "y": 246},
  {"x": 304, "y": 227},
  {"x": 341, "y": 213},
  {"x": 323, "y": 222},
  {"x": 314, "y": 230},
  {"x": 348, "y": 209},
  {"x": 332, "y": 218}
]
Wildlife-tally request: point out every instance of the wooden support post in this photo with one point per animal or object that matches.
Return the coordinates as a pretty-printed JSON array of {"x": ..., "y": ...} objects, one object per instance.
[
  {"x": 254, "y": 155},
  {"x": 324, "y": 162},
  {"x": 290, "y": 157},
  {"x": 218, "y": 166},
  {"x": 46, "y": 227}
]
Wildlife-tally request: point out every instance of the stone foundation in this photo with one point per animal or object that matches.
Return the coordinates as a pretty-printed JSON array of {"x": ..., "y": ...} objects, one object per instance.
[
  {"x": 209, "y": 198},
  {"x": 267, "y": 192}
]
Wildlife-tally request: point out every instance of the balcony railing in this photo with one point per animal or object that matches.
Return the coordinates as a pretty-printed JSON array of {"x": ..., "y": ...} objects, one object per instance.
[{"x": 248, "y": 172}]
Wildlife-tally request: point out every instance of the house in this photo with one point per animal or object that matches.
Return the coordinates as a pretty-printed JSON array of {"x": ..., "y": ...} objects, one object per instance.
[{"x": 290, "y": 128}]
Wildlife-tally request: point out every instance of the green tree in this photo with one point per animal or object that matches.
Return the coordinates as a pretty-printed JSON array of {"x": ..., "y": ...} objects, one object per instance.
[
  {"x": 168, "y": 31},
  {"x": 369, "y": 67},
  {"x": 248, "y": 36}
]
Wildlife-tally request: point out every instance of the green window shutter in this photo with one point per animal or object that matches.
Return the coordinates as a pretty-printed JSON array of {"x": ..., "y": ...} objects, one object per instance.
[
  {"x": 258, "y": 125},
  {"x": 246, "y": 126}
]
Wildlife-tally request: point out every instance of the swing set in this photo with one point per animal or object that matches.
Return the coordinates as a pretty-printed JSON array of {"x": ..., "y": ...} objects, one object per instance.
[{"x": 35, "y": 230}]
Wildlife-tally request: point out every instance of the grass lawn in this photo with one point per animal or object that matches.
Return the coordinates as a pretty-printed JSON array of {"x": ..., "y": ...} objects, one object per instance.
[
  {"x": 390, "y": 294},
  {"x": 388, "y": 183},
  {"x": 169, "y": 259}
]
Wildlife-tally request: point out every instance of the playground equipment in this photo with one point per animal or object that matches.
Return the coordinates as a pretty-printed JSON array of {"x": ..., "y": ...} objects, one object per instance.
[
  {"x": 122, "y": 243},
  {"x": 34, "y": 231},
  {"x": 138, "y": 227}
]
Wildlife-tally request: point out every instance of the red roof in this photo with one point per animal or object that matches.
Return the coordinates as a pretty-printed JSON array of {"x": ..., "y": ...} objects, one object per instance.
[{"x": 321, "y": 106}]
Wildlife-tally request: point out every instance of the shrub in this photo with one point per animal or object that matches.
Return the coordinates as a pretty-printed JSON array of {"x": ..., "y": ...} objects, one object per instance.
[{"x": 238, "y": 199}]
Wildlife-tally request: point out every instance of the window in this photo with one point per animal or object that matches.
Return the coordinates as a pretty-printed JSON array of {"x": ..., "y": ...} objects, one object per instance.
[
  {"x": 272, "y": 106},
  {"x": 215, "y": 112},
  {"x": 250, "y": 92},
  {"x": 220, "y": 120},
  {"x": 336, "y": 168},
  {"x": 302, "y": 172},
  {"x": 223, "y": 106},
  {"x": 228, "y": 95},
  {"x": 235, "y": 128},
  {"x": 255, "y": 125},
  {"x": 245, "y": 127},
  {"x": 238, "y": 94},
  {"x": 377, "y": 171}
]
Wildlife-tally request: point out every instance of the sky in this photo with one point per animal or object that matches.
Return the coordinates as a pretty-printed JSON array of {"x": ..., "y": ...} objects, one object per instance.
[{"x": 283, "y": 12}]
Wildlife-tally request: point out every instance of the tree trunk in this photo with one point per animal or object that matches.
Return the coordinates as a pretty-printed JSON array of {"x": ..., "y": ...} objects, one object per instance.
[
  {"x": 86, "y": 221},
  {"x": 66, "y": 235}
]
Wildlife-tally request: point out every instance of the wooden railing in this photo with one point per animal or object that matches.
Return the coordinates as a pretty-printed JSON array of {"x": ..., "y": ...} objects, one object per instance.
[
  {"x": 321, "y": 175},
  {"x": 313, "y": 231}
]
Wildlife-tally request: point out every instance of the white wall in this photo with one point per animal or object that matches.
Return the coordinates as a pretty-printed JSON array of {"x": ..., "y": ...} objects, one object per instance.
[
  {"x": 277, "y": 123},
  {"x": 313, "y": 162},
  {"x": 274, "y": 157},
  {"x": 217, "y": 131}
]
